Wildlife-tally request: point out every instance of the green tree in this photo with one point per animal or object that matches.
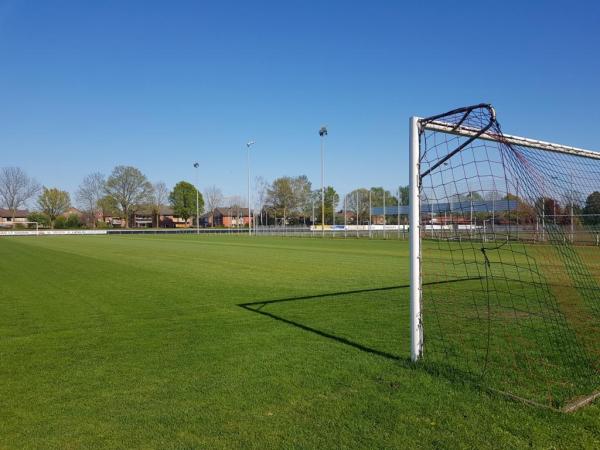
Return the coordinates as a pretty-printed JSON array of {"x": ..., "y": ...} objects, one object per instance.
[
  {"x": 332, "y": 200},
  {"x": 377, "y": 197},
  {"x": 60, "y": 223},
  {"x": 472, "y": 195},
  {"x": 405, "y": 195},
  {"x": 40, "y": 218},
  {"x": 108, "y": 207},
  {"x": 183, "y": 200},
  {"x": 281, "y": 198},
  {"x": 510, "y": 196},
  {"x": 73, "y": 221},
  {"x": 130, "y": 188},
  {"x": 53, "y": 202},
  {"x": 592, "y": 206},
  {"x": 290, "y": 197}
]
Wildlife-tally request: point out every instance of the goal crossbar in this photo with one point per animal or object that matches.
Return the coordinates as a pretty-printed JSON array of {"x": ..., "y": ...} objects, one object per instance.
[{"x": 509, "y": 139}]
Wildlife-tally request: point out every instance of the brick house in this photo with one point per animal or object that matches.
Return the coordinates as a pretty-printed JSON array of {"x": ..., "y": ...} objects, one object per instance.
[
  {"x": 6, "y": 217},
  {"x": 73, "y": 211},
  {"x": 227, "y": 217},
  {"x": 166, "y": 218}
]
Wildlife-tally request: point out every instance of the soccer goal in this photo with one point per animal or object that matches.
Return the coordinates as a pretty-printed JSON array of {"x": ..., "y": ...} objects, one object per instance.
[
  {"x": 505, "y": 259},
  {"x": 19, "y": 227}
]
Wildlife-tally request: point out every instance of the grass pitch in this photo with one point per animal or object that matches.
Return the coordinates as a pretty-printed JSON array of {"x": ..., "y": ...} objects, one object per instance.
[{"x": 230, "y": 341}]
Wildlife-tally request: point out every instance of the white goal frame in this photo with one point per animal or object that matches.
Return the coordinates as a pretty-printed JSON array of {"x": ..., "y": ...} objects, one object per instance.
[
  {"x": 14, "y": 224},
  {"x": 416, "y": 126}
]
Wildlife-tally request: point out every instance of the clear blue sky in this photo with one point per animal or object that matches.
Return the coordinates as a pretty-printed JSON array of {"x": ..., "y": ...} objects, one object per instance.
[{"x": 85, "y": 86}]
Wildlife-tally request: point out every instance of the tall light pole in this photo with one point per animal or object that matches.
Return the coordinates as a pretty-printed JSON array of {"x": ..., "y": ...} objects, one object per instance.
[
  {"x": 370, "y": 212},
  {"x": 322, "y": 133},
  {"x": 333, "y": 210},
  {"x": 398, "y": 212},
  {"x": 248, "y": 144},
  {"x": 196, "y": 166}
]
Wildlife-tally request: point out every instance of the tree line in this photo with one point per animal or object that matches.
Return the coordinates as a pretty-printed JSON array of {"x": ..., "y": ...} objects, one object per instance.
[
  {"x": 124, "y": 192},
  {"x": 287, "y": 199},
  {"x": 293, "y": 200}
]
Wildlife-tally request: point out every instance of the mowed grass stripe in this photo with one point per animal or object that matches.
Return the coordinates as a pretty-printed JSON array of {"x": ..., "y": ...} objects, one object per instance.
[{"x": 129, "y": 342}]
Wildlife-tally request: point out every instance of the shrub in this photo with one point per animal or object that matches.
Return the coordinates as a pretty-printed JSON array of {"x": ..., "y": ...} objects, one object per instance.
[
  {"x": 40, "y": 218},
  {"x": 60, "y": 223},
  {"x": 73, "y": 221}
]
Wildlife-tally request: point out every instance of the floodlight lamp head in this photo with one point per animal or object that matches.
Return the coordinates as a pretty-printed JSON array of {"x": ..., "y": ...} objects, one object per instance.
[
  {"x": 249, "y": 143},
  {"x": 323, "y": 131},
  {"x": 196, "y": 165}
]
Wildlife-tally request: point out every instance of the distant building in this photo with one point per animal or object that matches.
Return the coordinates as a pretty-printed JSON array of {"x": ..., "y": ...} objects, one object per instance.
[
  {"x": 227, "y": 217},
  {"x": 73, "y": 211},
  {"x": 6, "y": 217},
  {"x": 147, "y": 217}
]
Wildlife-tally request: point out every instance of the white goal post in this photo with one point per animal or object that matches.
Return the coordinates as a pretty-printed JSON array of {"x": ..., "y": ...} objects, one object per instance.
[
  {"x": 14, "y": 226},
  {"x": 416, "y": 328}
]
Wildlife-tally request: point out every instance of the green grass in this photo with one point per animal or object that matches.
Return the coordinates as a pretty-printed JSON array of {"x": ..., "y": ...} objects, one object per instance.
[
  {"x": 526, "y": 323},
  {"x": 141, "y": 342}
]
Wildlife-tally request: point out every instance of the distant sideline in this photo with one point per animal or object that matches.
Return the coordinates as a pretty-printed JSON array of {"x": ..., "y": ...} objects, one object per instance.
[
  {"x": 49, "y": 232},
  {"x": 259, "y": 230}
]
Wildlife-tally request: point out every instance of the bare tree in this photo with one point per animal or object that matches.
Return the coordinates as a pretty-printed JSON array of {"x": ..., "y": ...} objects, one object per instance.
[
  {"x": 235, "y": 203},
  {"x": 160, "y": 195},
  {"x": 492, "y": 195},
  {"x": 16, "y": 187},
  {"x": 302, "y": 192},
  {"x": 213, "y": 196},
  {"x": 358, "y": 203},
  {"x": 129, "y": 187},
  {"x": 89, "y": 193},
  {"x": 261, "y": 187}
]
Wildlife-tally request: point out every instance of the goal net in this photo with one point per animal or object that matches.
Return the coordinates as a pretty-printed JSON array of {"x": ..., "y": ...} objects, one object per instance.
[
  {"x": 19, "y": 227},
  {"x": 505, "y": 275}
]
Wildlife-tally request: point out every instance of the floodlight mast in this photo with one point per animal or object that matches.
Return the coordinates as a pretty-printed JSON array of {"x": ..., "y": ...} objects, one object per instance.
[
  {"x": 416, "y": 328},
  {"x": 248, "y": 144},
  {"x": 196, "y": 166},
  {"x": 322, "y": 133}
]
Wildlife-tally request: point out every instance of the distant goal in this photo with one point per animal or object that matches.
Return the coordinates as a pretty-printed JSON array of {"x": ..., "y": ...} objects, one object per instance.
[
  {"x": 505, "y": 259},
  {"x": 19, "y": 227}
]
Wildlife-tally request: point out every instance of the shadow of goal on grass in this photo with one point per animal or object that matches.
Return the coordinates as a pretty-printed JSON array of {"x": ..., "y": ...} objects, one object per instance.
[
  {"x": 263, "y": 307},
  {"x": 371, "y": 321},
  {"x": 259, "y": 308}
]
